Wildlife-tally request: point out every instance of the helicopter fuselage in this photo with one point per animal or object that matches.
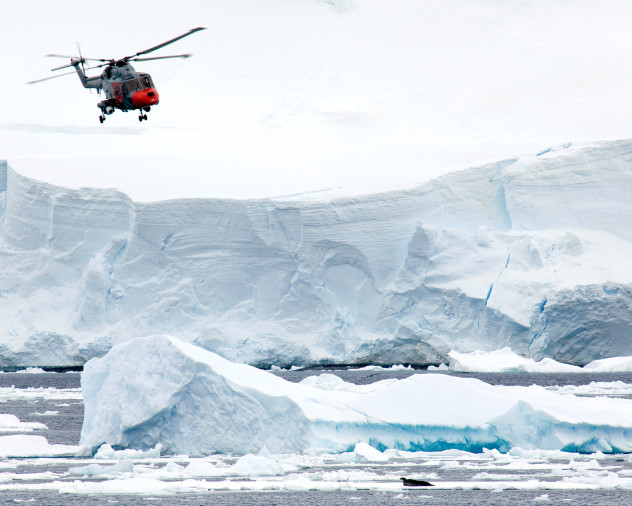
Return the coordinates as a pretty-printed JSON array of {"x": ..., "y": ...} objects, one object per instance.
[{"x": 124, "y": 88}]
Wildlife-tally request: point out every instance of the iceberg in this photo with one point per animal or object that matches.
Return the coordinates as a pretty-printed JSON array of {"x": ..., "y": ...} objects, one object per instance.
[
  {"x": 529, "y": 253},
  {"x": 614, "y": 364},
  {"x": 161, "y": 392},
  {"x": 506, "y": 361}
]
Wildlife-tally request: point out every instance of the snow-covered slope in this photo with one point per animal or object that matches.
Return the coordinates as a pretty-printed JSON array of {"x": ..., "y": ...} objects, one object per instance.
[
  {"x": 532, "y": 253},
  {"x": 159, "y": 390}
]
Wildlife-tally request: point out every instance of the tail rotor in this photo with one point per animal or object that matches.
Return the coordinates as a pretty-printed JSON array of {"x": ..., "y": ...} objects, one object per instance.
[{"x": 82, "y": 60}]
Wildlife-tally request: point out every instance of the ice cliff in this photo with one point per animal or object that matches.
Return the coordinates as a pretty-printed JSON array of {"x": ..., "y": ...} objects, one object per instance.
[
  {"x": 532, "y": 253},
  {"x": 160, "y": 390}
]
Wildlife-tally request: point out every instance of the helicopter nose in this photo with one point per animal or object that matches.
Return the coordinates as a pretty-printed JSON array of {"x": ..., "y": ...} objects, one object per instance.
[{"x": 143, "y": 98}]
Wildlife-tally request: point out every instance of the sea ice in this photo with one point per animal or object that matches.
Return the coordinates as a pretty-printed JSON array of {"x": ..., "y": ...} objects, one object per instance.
[
  {"x": 31, "y": 370},
  {"x": 106, "y": 452},
  {"x": 11, "y": 423},
  {"x": 160, "y": 390},
  {"x": 124, "y": 466},
  {"x": 368, "y": 453},
  {"x": 20, "y": 445},
  {"x": 34, "y": 393},
  {"x": 46, "y": 413}
]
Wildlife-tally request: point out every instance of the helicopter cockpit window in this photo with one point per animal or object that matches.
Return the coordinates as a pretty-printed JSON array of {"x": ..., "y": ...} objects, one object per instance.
[
  {"x": 132, "y": 85},
  {"x": 138, "y": 84}
]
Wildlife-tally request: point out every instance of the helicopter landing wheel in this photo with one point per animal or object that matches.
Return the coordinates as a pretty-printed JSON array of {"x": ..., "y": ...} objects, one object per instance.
[
  {"x": 142, "y": 117},
  {"x": 101, "y": 118}
]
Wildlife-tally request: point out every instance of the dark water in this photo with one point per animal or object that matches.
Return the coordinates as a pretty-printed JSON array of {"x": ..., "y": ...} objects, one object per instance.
[
  {"x": 62, "y": 429},
  {"x": 66, "y": 426},
  {"x": 361, "y": 498}
]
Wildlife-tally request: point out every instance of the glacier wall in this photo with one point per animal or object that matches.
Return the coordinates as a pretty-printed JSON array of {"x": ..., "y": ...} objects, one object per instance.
[{"x": 531, "y": 253}]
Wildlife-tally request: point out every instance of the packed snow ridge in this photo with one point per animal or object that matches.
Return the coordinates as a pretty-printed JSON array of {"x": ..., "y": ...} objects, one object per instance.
[
  {"x": 160, "y": 390},
  {"x": 531, "y": 254}
]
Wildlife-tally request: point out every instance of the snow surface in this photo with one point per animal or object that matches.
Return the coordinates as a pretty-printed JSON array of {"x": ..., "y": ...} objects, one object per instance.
[{"x": 162, "y": 391}]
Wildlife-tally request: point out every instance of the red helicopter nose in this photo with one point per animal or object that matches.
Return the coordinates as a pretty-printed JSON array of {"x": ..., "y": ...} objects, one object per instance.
[{"x": 143, "y": 98}]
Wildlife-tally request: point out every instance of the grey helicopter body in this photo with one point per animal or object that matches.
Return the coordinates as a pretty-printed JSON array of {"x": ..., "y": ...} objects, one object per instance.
[{"x": 124, "y": 88}]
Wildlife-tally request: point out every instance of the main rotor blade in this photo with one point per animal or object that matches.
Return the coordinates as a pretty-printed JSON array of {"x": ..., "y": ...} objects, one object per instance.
[
  {"x": 166, "y": 43},
  {"x": 52, "y": 77},
  {"x": 75, "y": 57},
  {"x": 62, "y": 67},
  {"x": 161, "y": 57},
  {"x": 59, "y": 56}
]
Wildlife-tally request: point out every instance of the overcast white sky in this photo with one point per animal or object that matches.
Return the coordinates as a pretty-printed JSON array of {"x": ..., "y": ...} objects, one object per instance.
[{"x": 291, "y": 96}]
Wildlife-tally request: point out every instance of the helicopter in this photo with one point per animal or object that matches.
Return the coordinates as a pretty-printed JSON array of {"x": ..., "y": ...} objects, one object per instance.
[{"x": 124, "y": 87}]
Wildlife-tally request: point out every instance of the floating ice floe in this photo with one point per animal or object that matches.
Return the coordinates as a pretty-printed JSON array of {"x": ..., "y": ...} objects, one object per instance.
[
  {"x": 316, "y": 470},
  {"x": 31, "y": 370},
  {"x": 11, "y": 423},
  {"x": 594, "y": 388},
  {"x": 29, "y": 394},
  {"x": 396, "y": 367},
  {"x": 106, "y": 452},
  {"x": 46, "y": 413},
  {"x": 160, "y": 390},
  {"x": 506, "y": 361},
  {"x": 20, "y": 445}
]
